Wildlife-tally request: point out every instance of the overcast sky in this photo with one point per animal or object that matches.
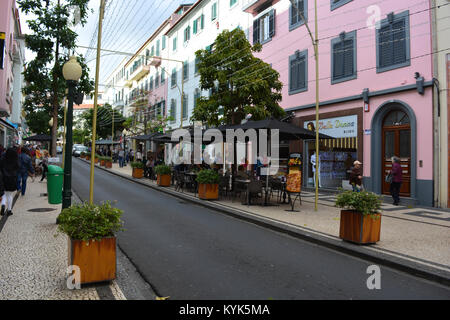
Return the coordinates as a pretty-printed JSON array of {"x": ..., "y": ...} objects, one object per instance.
[{"x": 126, "y": 26}]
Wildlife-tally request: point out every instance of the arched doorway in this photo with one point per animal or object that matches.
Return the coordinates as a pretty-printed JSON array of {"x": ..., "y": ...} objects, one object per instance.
[{"x": 396, "y": 141}]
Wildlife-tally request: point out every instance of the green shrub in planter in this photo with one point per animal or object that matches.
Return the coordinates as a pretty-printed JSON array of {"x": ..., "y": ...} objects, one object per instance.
[
  {"x": 90, "y": 222},
  {"x": 137, "y": 165},
  {"x": 162, "y": 169},
  {"x": 208, "y": 176},
  {"x": 367, "y": 203}
]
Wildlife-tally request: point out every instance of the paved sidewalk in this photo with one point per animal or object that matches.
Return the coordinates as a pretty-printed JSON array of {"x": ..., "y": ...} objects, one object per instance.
[
  {"x": 417, "y": 235},
  {"x": 33, "y": 257}
]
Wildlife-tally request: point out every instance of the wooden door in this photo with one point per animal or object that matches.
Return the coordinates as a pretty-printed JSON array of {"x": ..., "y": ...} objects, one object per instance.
[{"x": 397, "y": 142}]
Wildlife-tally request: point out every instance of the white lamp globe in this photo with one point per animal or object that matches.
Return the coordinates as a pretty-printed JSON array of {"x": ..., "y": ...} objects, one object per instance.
[{"x": 72, "y": 69}]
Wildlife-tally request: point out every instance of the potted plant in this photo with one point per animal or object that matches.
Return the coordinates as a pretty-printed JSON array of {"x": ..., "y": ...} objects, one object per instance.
[
  {"x": 208, "y": 184},
  {"x": 88, "y": 156},
  {"x": 138, "y": 169},
  {"x": 361, "y": 218},
  {"x": 102, "y": 160},
  {"x": 97, "y": 157},
  {"x": 91, "y": 231},
  {"x": 82, "y": 155},
  {"x": 164, "y": 175},
  {"x": 108, "y": 162}
]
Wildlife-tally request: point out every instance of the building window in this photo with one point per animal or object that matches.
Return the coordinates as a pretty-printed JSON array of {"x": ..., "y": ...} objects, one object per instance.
[
  {"x": 151, "y": 83},
  {"x": 393, "y": 43},
  {"x": 196, "y": 97},
  {"x": 163, "y": 75},
  {"x": 343, "y": 59},
  {"x": 338, "y": 3},
  {"x": 157, "y": 80},
  {"x": 232, "y": 3},
  {"x": 185, "y": 106},
  {"x": 196, "y": 65},
  {"x": 199, "y": 24},
  {"x": 157, "y": 48},
  {"x": 185, "y": 70},
  {"x": 264, "y": 28},
  {"x": 298, "y": 72},
  {"x": 174, "y": 43},
  {"x": 214, "y": 11},
  {"x": 174, "y": 78},
  {"x": 173, "y": 110},
  {"x": 163, "y": 43},
  {"x": 187, "y": 34},
  {"x": 152, "y": 52},
  {"x": 295, "y": 18}
]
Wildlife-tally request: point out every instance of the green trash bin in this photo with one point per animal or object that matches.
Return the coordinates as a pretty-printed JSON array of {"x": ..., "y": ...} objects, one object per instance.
[{"x": 55, "y": 179}]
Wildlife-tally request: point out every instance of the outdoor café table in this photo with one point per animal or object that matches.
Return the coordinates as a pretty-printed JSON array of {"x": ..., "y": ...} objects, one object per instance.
[{"x": 246, "y": 182}]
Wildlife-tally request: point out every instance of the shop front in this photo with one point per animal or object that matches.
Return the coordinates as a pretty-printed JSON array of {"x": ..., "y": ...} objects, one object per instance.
[{"x": 336, "y": 156}]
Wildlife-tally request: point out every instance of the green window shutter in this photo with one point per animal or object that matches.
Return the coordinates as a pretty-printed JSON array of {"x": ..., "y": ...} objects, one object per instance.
[
  {"x": 152, "y": 52},
  {"x": 163, "y": 75},
  {"x": 157, "y": 48},
  {"x": 163, "y": 43},
  {"x": 185, "y": 106},
  {"x": 232, "y": 2},
  {"x": 174, "y": 44},
  {"x": 202, "y": 21},
  {"x": 195, "y": 27},
  {"x": 214, "y": 11}
]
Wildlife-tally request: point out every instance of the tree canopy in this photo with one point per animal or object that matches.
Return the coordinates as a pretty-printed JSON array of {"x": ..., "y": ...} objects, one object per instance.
[
  {"x": 52, "y": 40},
  {"x": 105, "y": 116},
  {"x": 239, "y": 83}
]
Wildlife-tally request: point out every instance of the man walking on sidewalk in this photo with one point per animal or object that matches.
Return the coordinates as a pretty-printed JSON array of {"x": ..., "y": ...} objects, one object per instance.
[{"x": 25, "y": 166}]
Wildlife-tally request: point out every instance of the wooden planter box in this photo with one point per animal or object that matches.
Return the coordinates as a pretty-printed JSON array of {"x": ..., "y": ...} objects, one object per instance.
[
  {"x": 102, "y": 163},
  {"x": 96, "y": 160},
  {"x": 163, "y": 180},
  {"x": 96, "y": 259},
  {"x": 208, "y": 191},
  {"x": 138, "y": 173},
  {"x": 108, "y": 164},
  {"x": 359, "y": 228},
  {"x": 88, "y": 158}
]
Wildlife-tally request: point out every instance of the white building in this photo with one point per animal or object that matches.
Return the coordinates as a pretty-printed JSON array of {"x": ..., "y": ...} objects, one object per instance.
[{"x": 197, "y": 29}]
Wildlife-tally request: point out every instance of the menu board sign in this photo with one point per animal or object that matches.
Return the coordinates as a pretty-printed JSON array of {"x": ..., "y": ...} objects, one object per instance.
[{"x": 294, "y": 179}]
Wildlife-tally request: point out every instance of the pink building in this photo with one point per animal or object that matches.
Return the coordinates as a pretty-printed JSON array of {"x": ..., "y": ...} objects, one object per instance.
[
  {"x": 10, "y": 54},
  {"x": 376, "y": 86}
]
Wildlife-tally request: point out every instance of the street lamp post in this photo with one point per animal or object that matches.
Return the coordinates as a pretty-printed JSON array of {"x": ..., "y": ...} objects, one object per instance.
[{"x": 72, "y": 73}]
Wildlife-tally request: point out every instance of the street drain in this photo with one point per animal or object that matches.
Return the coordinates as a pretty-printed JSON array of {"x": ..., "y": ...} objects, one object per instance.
[
  {"x": 41, "y": 210},
  {"x": 44, "y": 194}
]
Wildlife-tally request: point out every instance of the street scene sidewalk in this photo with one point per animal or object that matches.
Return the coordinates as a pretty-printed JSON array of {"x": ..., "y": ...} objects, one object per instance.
[
  {"x": 417, "y": 237},
  {"x": 33, "y": 257}
]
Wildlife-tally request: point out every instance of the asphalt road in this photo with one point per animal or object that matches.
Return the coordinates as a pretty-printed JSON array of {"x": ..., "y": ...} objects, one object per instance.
[{"x": 189, "y": 252}]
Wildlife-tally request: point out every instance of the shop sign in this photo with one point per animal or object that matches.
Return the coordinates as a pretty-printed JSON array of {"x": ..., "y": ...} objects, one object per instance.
[{"x": 340, "y": 127}]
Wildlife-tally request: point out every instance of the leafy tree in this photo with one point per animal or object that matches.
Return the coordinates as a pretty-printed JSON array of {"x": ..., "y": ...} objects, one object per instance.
[
  {"x": 239, "y": 83},
  {"x": 104, "y": 121},
  {"x": 51, "y": 37}
]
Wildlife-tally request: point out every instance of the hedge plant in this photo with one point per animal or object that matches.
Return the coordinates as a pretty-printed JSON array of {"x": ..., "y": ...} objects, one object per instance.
[
  {"x": 208, "y": 176},
  {"x": 367, "y": 203},
  {"x": 137, "y": 165},
  {"x": 163, "y": 169},
  {"x": 90, "y": 222}
]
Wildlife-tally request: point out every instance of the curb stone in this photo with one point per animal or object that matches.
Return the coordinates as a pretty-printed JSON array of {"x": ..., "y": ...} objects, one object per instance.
[{"x": 334, "y": 243}]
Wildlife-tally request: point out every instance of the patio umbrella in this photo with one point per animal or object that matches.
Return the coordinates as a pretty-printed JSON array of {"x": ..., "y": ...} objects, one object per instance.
[{"x": 39, "y": 137}]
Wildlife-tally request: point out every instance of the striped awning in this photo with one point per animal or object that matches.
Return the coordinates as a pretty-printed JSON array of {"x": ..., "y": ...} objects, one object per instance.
[{"x": 342, "y": 143}]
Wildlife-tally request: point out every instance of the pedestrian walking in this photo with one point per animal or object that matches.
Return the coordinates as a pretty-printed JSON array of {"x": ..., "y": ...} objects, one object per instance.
[
  {"x": 356, "y": 176},
  {"x": 9, "y": 167},
  {"x": 121, "y": 157},
  {"x": 397, "y": 178},
  {"x": 44, "y": 166},
  {"x": 25, "y": 167}
]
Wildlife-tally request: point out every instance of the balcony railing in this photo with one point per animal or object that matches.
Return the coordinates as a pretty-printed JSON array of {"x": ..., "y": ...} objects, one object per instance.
[{"x": 140, "y": 72}]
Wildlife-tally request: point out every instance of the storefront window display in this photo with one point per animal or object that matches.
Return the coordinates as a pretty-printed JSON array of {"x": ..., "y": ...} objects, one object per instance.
[{"x": 336, "y": 156}]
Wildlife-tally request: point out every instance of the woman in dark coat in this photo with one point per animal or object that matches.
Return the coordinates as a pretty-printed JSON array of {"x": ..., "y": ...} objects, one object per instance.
[
  {"x": 397, "y": 178},
  {"x": 9, "y": 167}
]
